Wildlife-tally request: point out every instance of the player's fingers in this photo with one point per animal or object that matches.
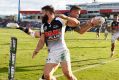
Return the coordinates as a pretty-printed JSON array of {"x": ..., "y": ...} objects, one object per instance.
[{"x": 33, "y": 55}]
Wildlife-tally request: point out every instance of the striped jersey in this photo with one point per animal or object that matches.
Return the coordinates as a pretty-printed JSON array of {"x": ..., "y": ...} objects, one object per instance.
[{"x": 54, "y": 34}]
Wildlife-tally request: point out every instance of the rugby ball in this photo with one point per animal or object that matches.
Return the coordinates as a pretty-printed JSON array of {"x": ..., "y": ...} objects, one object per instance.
[
  {"x": 12, "y": 25},
  {"x": 101, "y": 19}
]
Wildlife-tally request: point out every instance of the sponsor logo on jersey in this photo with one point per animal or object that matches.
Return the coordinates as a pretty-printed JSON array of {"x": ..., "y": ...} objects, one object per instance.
[{"x": 53, "y": 35}]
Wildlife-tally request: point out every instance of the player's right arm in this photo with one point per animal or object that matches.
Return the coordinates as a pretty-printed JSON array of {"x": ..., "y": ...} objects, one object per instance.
[{"x": 40, "y": 44}]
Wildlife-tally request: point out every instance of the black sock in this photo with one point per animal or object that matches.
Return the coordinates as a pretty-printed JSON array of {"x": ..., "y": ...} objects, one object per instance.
[
  {"x": 24, "y": 29},
  {"x": 43, "y": 76},
  {"x": 21, "y": 28}
]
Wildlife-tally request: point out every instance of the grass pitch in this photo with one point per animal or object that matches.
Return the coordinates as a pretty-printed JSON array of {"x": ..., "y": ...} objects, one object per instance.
[{"x": 89, "y": 56}]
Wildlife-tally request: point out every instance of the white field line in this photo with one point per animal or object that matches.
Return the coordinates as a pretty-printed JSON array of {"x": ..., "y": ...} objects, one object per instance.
[{"x": 88, "y": 67}]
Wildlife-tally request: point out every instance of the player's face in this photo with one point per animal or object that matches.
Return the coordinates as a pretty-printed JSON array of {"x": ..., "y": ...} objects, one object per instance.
[
  {"x": 44, "y": 17},
  {"x": 44, "y": 12},
  {"x": 116, "y": 18},
  {"x": 75, "y": 13}
]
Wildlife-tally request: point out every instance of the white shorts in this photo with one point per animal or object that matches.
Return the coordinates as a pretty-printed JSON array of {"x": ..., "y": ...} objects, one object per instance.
[
  {"x": 58, "y": 56},
  {"x": 106, "y": 32},
  {"x": 115, "y": 36}
]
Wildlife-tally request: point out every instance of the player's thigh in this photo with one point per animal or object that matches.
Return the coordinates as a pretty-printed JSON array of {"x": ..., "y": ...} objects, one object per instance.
[
  {"x": 49, "y": 68},
  {"x": 115, "y": 37},
  {"x": 66, "y": 67}
]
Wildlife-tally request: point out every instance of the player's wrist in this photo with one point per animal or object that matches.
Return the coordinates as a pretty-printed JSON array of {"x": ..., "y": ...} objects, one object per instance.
[
  {"x": 36, "y": 51},
  {"x": 92, "y": 24}
]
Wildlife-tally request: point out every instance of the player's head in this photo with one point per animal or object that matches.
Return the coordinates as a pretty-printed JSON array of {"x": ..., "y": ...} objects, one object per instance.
[
  {"x": 116, "y": 17},
  {"x": 47, "y": 10},
  {"x": 75, "y": 11}
]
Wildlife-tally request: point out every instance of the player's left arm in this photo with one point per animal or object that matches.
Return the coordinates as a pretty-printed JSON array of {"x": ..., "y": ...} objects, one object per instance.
[
  {"x": 84, "y": 27},
  {"x": 69, "y": 21}
]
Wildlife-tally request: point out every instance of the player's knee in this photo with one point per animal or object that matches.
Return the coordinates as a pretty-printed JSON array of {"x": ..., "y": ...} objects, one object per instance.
[
  {"x": 68, "y": 74},
  {"x": 47, "y": 75}
]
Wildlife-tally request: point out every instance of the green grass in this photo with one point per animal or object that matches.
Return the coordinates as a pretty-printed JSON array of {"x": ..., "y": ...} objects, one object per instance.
[{"x": 85, "y": 51}]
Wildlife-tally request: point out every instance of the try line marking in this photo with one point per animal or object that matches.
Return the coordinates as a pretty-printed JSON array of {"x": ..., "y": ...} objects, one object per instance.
[{"x": 88, "y": 67}]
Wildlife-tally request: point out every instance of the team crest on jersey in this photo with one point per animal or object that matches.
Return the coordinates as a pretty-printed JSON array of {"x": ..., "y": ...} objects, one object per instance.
[{"x": 55, "y": 26}]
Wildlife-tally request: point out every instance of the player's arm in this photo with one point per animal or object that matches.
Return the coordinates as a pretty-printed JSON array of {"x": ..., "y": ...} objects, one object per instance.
[
  {"x": 84, "y": 27},
  {"x": 69, "y": 21},
  {"x": 39, "y": 45},
  {"x": 40, "y": 42},
  {"x": 111, "y": 28}
]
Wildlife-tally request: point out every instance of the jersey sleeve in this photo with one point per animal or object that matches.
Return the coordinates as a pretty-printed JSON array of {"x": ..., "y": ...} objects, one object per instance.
[
  {"x": 61, "y": 20},
  {"x": 42, "y": 29},
  {"x": 112, "y": 24}
]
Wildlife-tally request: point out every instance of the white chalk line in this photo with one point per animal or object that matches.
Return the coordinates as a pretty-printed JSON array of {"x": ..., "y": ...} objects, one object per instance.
[{"x": 88, "y": 67}]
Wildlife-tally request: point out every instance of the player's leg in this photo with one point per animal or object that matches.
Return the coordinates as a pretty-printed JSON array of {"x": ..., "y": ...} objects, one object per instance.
[
  {"x": 115, "y": 36},
  {"x": 49, "y": 70},
  {"x": 112, "y": 49},
  {"x": 66, "y": 65},
  {"x": 106, "y": 34},
  {"x": 97, "y": 33},
  {"x": 66, "y": 68},
  {"x": 52, "y": 63},
  {"x": 112, "y": 45},
  {"x": 55, "y": 68}
]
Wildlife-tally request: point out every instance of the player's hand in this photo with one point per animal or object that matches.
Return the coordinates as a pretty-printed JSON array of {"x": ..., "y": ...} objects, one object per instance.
[
  {"x": 34, "y": 54},
  {"x": 97, "y": 21}
]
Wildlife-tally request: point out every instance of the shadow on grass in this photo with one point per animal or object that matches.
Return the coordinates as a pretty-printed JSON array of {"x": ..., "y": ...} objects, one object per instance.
[
  {"x": 29, "y": 68},
  {"x": 5, "y": 44},
  {"x": 23, "y": 68},
  {"x": 76, "y": 63},
  {"x": 88, "y": 62},
  {"x": 91, "y": 39},
  {"x": 29, "y": 49},
  {"x": 86, "y": 47},
  {"x": 4, "y": 70},
  {"x": 81, "y": 39}
]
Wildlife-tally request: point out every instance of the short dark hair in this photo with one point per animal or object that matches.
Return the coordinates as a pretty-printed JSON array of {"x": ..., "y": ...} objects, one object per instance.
[
  {"x": 75, "y": 7},
  {"x": 49, "y": 8}
]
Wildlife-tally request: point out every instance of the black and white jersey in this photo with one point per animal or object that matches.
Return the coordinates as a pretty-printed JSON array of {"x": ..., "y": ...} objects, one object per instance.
[
  {"x": 115, "y": 26},
  {"x": 69, "y": 28},
  {"x": 54, "y": 34}
]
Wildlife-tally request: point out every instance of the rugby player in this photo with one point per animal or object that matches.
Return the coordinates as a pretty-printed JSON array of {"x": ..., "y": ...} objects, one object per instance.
[
  {"x": 74, "y": 13},
  {"x": 52, "y": 33},
  {"x": 115, "y": 32}
]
